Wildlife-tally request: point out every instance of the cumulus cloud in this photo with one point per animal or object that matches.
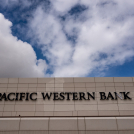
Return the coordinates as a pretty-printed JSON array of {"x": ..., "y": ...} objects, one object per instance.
[
  {"x": 63, "y": 6},
  {"x": 76, "y": 38},
  {"x": 17, "y": 58},
  {"x": 12, "y": 3},
  {"x": 81, "y": 35}
]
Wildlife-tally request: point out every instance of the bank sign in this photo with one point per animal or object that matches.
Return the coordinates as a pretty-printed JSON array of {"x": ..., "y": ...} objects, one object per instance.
[{"x": 60, "y": 96}]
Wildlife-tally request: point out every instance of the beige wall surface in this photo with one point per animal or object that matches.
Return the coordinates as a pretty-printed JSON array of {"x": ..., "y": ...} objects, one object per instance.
[
  {"x": 62, "y": 125},
  {"x": 70, "y": 108}
]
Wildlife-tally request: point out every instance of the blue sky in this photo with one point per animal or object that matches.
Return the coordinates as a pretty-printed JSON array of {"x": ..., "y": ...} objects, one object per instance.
[{"x": 79, "y": 38}]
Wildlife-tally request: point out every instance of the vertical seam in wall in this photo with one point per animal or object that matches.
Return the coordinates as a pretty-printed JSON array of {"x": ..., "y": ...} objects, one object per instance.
[
  {"x": 117, "y": 99},
  {"x": 28, "y": 104},
  {"x": 37, "y": 84},
  {"x": 117, "y": 125},
  {"x": 54, "y": 101},
  {"x": 17, "y": 87},
  {"x": 7, "y": 87},
  {"x": 42, "y": 98},
  {"x": 37, "y": 98},
  {"x": 54, "y": 84},
  {"x": 15, "y": 101},
  {"x": 4, "y": 101},
  {"x": 7, "y": 84},
  {"x": 124, "y": 86},
  {"x": 74, "y": 106},
  {"x": 114, "y": 84},
  {"x": 28, "y": 86},
  {"x": 96, "y": 97},
  {"x": 14, "y": 110},
  {"x": 53, "y": 110},
  {"x": 94, "y": 79},
  {"x": 74, "y": 91},
  {"x": 118, "y": 108},
  {"x": 48, "y": 124},
  {"x": 97, "y": 107},
  {"x": 72, "y": 113},
  {"x": 85, "y": 124},
  {"x": 77, "y": 125},
  {"x": 3, "y": 109},
  {"x": 95, "y": 85},
  {"x": 19, "y": 123}
]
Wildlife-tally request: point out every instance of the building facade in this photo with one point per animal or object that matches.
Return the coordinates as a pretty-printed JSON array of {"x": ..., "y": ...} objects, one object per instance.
[{"x": 88, "y": 105}]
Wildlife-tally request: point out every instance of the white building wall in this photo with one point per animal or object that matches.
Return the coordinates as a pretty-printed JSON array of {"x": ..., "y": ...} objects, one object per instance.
[{"x": 73, "y": 117}]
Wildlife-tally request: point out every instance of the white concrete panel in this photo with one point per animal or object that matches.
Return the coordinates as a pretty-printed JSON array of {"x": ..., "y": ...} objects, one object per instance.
[
  {"x": 125, "y": 123},
  {"x": 34, "y": 124},
  {"x": 100, "y": 123},
  {"x": 9, "y": 124},
  {"x": 63, "y": 124}
]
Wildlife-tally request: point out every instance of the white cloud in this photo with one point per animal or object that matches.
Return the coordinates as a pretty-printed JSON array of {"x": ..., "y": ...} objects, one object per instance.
[
  {"x": 12, "y": 3},
  {"x": 17, "y": 58},
  {"x": 104, "y": 35},
  {"x": 62, "y": 5}
]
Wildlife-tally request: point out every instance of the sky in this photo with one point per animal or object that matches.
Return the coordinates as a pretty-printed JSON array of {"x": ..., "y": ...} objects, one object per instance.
[{"x": 72, "y": 38}]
